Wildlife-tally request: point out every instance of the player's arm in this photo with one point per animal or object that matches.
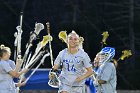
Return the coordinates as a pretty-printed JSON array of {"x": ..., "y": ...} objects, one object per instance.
[
  {"x": 53, "y": 70},
  {"x": 97, "y": 82},
  {"x": 55, "y": 67},
  {"x": 87, "y": 74},
  {"x": 9, "y": 70},
  {"x": 20, "y": 84},
  {"x": 16, "y": 74},
  {"x": 107, "y": 72},
  {"x": 57, "y": 62}
]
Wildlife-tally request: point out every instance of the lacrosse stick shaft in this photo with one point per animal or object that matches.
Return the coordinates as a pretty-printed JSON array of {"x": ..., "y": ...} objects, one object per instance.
[
  {"x": 19, "y": 41},
  {"x": 19, "y": 36},
  {"x": 21, "y": 18},
  {"x": 119, "y": 59},
  {"x": 27, "y": 66},
  {"x": 27, "y": 62},
  {"x": 26, "y": 54},
  {"x": 38, "y": 28},
  {"x": 42, "y": 61},
  {"x": 50, "y": 46},
  {"x": 35, "y": 57},
  {"x": 102, "y": 45}
]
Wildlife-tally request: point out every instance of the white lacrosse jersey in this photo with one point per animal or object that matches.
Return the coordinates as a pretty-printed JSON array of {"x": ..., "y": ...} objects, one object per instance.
[
  {"x": 7, "y": 84},
  {"x": 108, "y": 74},
  {"x": 12, "y": 64},
  {"x": 73, "y": 66}
]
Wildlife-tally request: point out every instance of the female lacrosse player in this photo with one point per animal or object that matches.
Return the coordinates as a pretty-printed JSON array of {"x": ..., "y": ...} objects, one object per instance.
[
  {"x": 106, "y": 74},
  {"x": 76, "y": 66},
  {"x": 8, "y": 70}
]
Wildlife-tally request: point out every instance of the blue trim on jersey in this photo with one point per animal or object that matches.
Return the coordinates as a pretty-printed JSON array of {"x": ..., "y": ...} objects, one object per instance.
[{"x": 89, "y": 82}]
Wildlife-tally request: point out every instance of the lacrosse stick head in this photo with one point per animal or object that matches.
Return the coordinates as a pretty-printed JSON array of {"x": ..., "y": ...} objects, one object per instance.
[
  {"x": 63, "y": 36},
  {"x": 54, "y": 82},
  {"x": 81, "y": 40},
  {"x": 105, "y": 36},
  {"x": 38, "y": 27},
  {"x": 19, "y": 29},
  {"x": 107, "y": 53},
  {"x": 46, "y": 39},
  {"x": 125, "y": 54}
]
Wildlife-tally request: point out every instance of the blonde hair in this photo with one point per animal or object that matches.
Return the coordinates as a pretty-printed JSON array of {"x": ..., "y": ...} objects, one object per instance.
[
  {"x": 4, "y": 49},
  {"x": 73, "y": 32},
  {"x": 81, "y": 39}
]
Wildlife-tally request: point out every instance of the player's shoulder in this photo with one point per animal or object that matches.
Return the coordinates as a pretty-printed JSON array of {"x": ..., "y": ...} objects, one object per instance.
[
  {"x": 82, "y": 52},
  {"x": 10, "y": 60},
  {"x": 110, "y": 65},
  {"x": 62, "y": 51},
  {"x": 4, "y": 63}
]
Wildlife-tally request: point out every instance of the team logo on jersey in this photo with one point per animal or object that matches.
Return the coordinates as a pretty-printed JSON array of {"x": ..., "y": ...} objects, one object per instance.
[{"x": 74, "y": 60}]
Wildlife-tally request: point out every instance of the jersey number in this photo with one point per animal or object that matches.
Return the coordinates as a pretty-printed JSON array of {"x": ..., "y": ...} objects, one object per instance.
[{"x": 71, "y": 68}]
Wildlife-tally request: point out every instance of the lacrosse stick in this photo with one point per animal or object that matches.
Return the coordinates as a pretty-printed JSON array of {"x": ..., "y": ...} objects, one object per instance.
[
  {"x": 55, "y": 82},
  {"x": 17, "y": 42},
  {"x": 125, "y": 54},
  {"x": 50, "y": 46},
  {"x": 63, "y": 36},
  {"x": 39, "y": 47},
  {"x": 95, "y": 80},
  {"x": 23, "y": 75},
  {"x": 42, "y": 61},
  {"x": 81, "y": 40},
  {"x": 105, "y": 36},
  {"x": 36, "y": 56},
  {"x": 38, "y": 28}
]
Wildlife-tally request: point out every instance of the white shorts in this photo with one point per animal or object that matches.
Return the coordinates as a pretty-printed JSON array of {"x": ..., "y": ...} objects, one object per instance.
[
  {"x": 71, "y": 89},
  {"x": 7, "y": 91}
]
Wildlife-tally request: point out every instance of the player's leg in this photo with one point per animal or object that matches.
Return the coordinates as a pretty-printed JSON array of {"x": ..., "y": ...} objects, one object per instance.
[
  {"x": 78, "y": 89},
  {"x": 64, "y": 88}
]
